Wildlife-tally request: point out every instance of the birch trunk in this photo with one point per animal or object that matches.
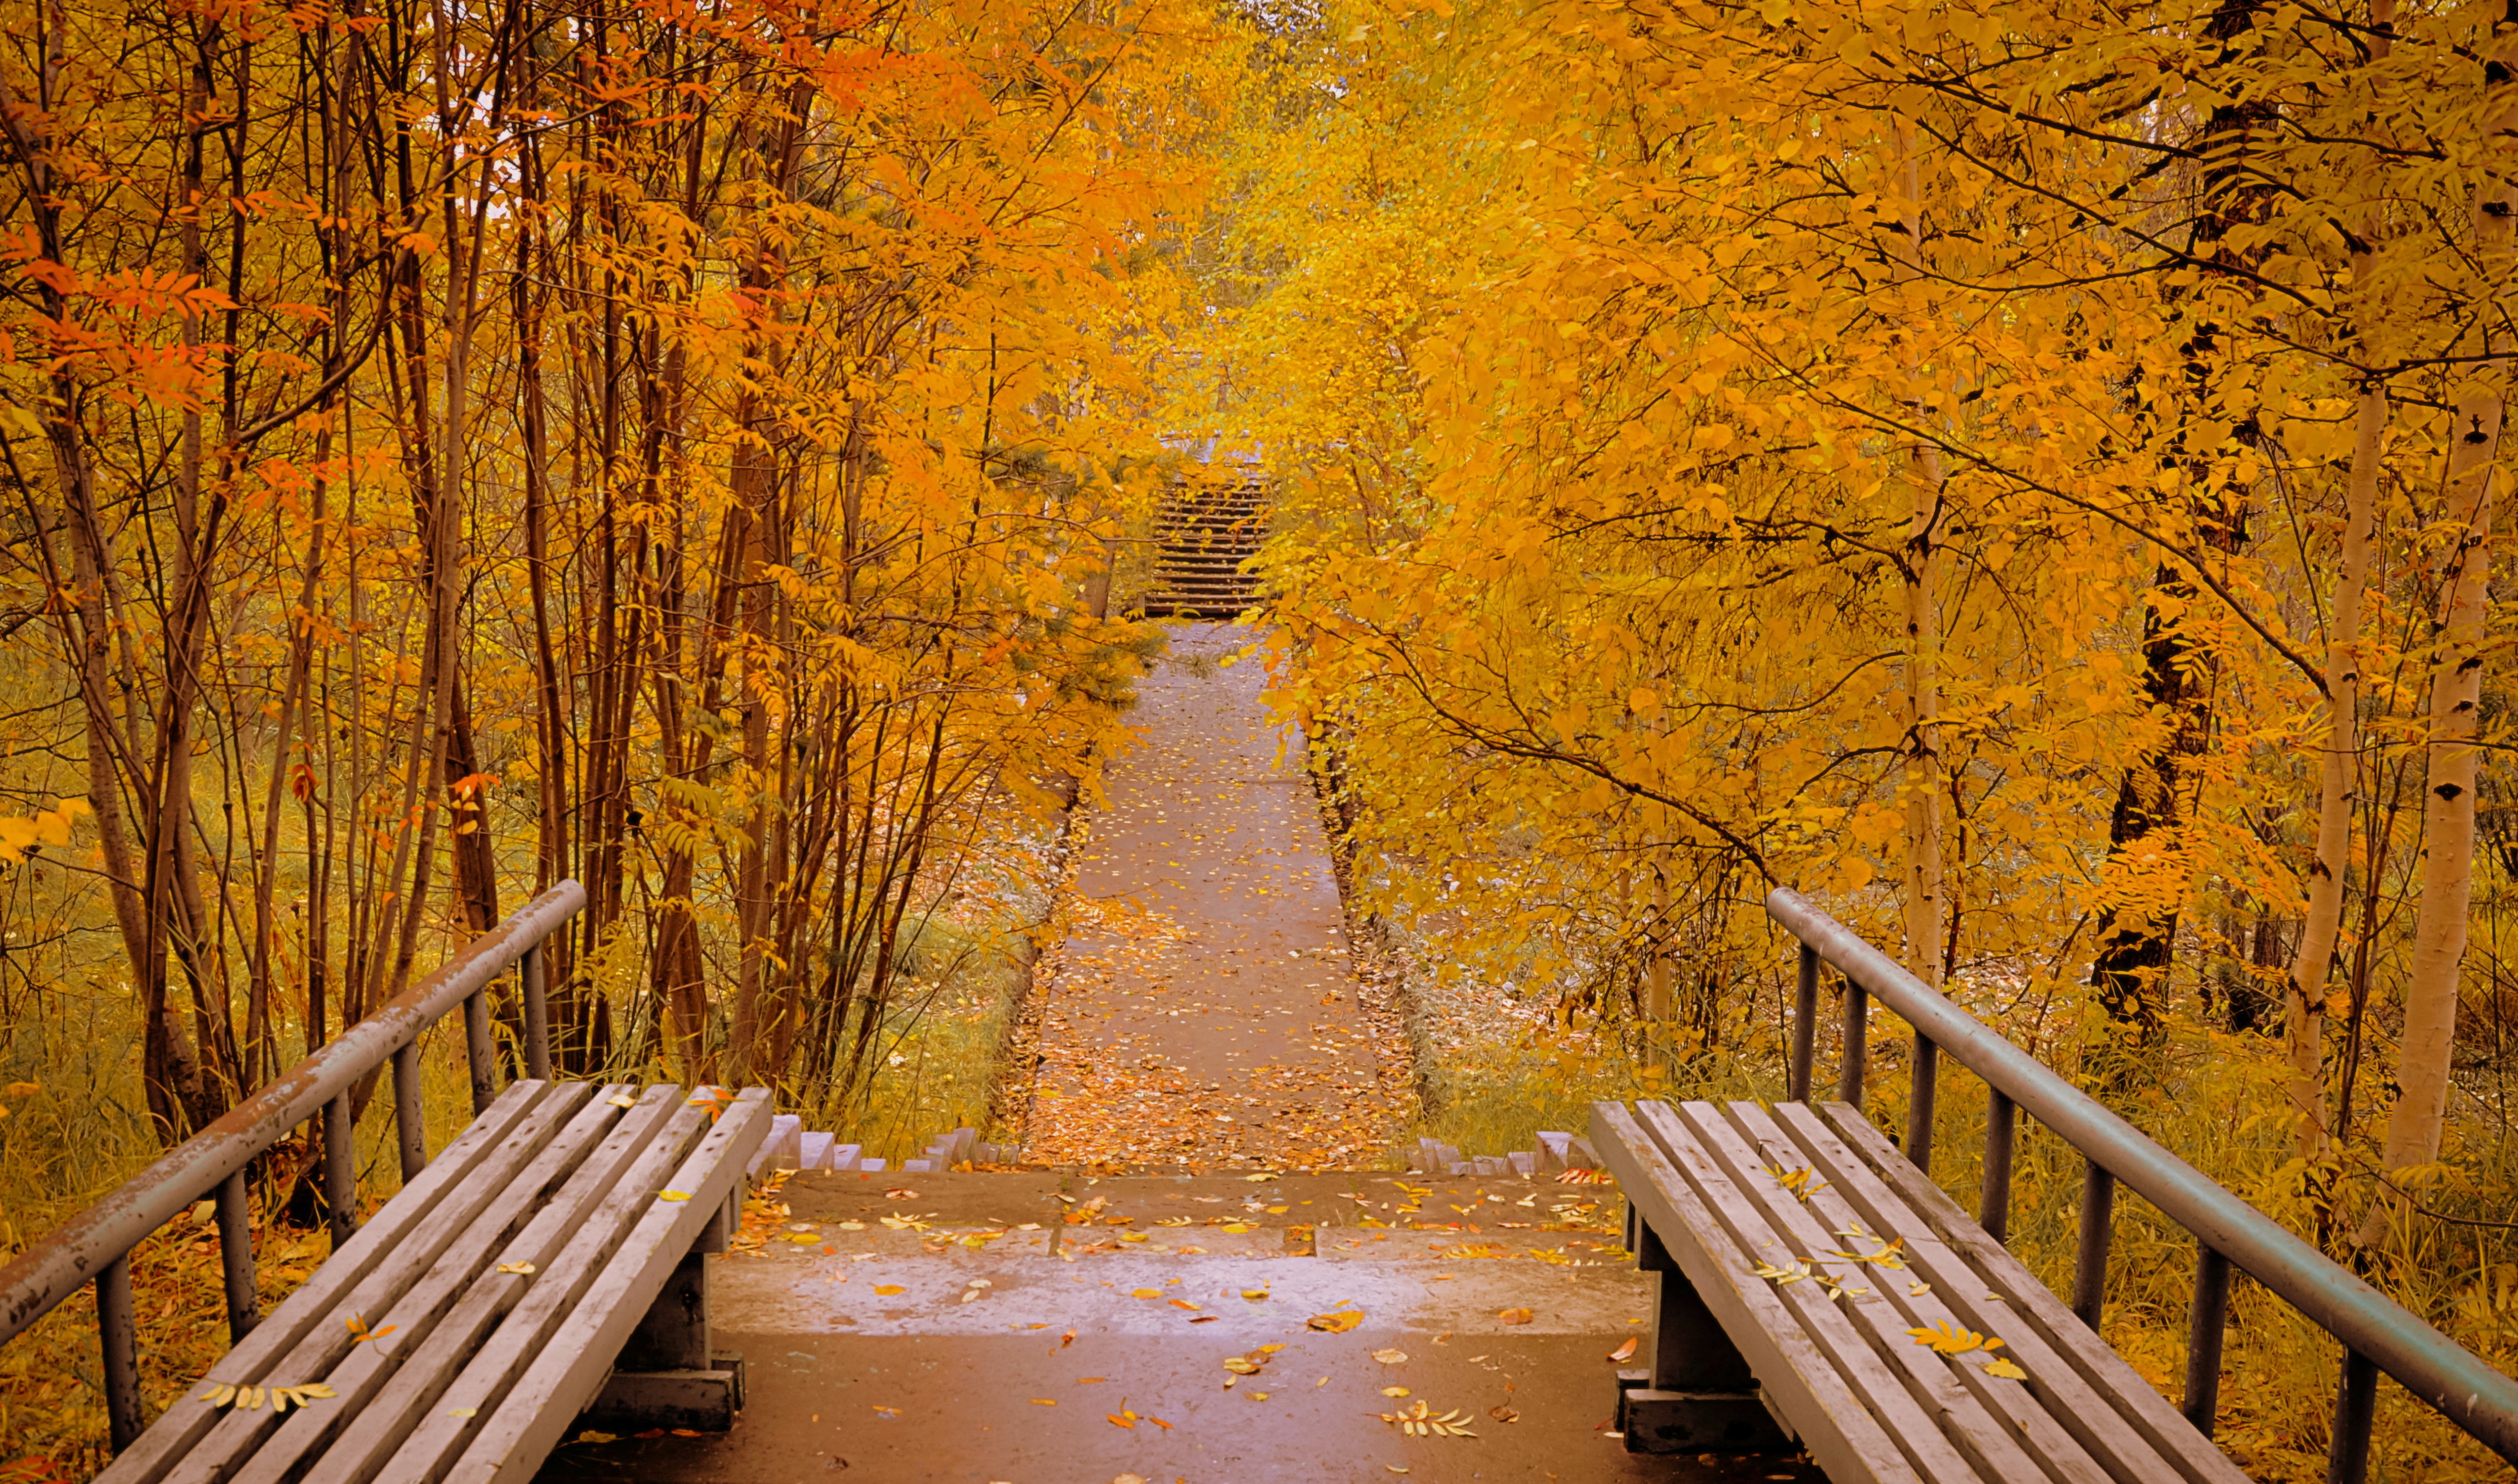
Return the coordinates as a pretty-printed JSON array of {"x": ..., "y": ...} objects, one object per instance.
[
  {"x": 2339, "y": 767},
  {"x": 2431, "y": 990}
]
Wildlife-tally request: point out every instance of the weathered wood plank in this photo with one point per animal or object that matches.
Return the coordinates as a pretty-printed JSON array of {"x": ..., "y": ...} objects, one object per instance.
[
  {"x": 2161, "y": 1424},
  {"x": 189, "y": 1419},
  {"x": 240, "y": 1432},
  {"x": 2013, "y": 1405},
  {"x": 1991, "y": 1448},
  {"x": 407, "y": 1324},
  {"x": 2091, "y": 1415},
  {"x": 1917, "y": 1431},
  {"x": 356, "y": 1454},
  {"x": 1839, "y": 1430},
  {"x": 568, "y": 1372},
  {"x": 486, "y": 1376}
]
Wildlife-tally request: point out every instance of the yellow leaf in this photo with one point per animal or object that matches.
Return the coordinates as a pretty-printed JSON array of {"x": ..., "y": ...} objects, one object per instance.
[
  {"x": 674, "y": 1196},
  {"x": 520, "y": 1269},
  {"x": 886, "y": 1289},
  {"x": 1517, "y": 1316},
  {"x": 1948, "y": 1338},
  {"x": 2002, "y": 1366},
  {"x": 460, "y": 1411},
  {"x": 1335, "y": 1324}
]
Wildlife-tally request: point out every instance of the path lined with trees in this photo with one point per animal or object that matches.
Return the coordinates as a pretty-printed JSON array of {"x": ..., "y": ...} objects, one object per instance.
[{"x": 1204, "y": 1010}]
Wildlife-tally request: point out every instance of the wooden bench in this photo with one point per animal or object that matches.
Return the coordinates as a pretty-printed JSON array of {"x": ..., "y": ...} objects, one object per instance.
[
  {"x": 548, "y": 1264},
  {"x": 1797, "y": 1250}
]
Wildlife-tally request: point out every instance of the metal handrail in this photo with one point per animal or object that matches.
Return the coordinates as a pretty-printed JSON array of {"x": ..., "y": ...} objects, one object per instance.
[
  {"x": 2376, "y": 1330},
  {"x": 95, "y": 1245}
]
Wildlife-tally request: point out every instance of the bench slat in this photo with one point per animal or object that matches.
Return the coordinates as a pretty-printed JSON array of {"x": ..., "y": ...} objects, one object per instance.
[
  {"x": 484, "y": 1380},
  {"x": 2012, "y": 1403},
  {"x": 410, "y": 1318},
  {"x": 399, "y": 1407},
  {"x": 241, "y": 1433},
  {"x": 1917, "y": 1433},
  {"x": 191, "y": 1418},
  {"x": 2163, "y": 1425},
  {"x": 1956, "y": 1413},
  {"x": 566, "y": 1374},
  {"x": 1840, "y": 1431}
]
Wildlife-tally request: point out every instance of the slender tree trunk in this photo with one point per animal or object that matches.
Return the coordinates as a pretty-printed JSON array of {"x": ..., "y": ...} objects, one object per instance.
[
  {"x": 1922, "y": 784},
  {"x": 2432, "y": 988}
]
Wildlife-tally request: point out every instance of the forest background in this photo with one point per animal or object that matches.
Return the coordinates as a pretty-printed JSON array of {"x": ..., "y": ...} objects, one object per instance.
[{"x": 2025, "y": 474}]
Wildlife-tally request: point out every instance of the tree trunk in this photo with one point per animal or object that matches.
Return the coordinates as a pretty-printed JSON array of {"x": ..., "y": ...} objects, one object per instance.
[{"x": 2432, "y": 988}]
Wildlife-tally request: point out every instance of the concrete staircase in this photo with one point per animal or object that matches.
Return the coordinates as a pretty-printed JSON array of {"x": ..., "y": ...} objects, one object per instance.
[
  {"x": 792, "y": 1147},
  {"x": 1208, "y": 529}
]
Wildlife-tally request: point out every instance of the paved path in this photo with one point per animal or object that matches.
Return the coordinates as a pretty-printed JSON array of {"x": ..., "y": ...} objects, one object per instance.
[
  {"x": 1059, "y": 1328},
  {"x": 1203, "y": 1011},
  {"x": 994, "y": 1333}
]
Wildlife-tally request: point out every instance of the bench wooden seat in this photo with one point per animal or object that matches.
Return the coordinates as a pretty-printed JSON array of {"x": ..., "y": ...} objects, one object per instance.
[
  {"x": 1797, "y": 1250},
  {"x": 465, "y": 1329}
]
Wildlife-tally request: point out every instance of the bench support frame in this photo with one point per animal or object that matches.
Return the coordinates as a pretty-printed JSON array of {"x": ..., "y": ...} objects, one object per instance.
[
  {"x": 1699, "y": 1396},
  {"x": 669, "y": 1374}
]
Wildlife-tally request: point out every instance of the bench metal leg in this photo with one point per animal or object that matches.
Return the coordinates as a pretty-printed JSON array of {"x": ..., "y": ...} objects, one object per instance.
[{"x": 1699, "y": 1395}]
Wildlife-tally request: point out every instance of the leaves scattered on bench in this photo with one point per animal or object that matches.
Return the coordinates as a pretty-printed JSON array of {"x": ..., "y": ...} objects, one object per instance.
[
  {"x": 1795, "y": 1270},
  {"x": 252, "y": 1398},
  {"x": 1954, "y": 1339},
  {"x": 1797, "y": 1181}
]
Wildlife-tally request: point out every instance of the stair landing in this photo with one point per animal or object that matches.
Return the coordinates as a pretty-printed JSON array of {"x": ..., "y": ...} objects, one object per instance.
[{"x": 865, "y": 1359}]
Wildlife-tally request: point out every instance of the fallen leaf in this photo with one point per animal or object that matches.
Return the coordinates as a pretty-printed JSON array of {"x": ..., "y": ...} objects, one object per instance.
[
  {"x": 1503, "y": 1414},
  {"x": 621, "y": 1100},
  {"x": 1625, "y": 1351},
  {"x": 1396, "y": 1391},
  {"x": 592, "y": 1436},
  {"x": 1044, "y": 1400},
  {"x": 1183, "y": 1303},
  {"x": 1390, "y": 1355},
  {"x": 1335, "y": 1324},
  {"x": 902, "y": 1195},
  {"x": 2002, "y": 1366},
  {"x": 1146, "y": 1294},
  {"x": 520, "y": 1269},
  {"x": 888, "y": 1289},
  {"x": 1117, "y": 1421},
  {"x": 465, "y": 1412},
  {"x": 1517, "y": 1316},
  {"x": 673, "y": 1195},
  {"x": 1255, "y": 1296},
  {"x": 1091, "y": 1380},
  {"x": 1950, "y": 1338}
]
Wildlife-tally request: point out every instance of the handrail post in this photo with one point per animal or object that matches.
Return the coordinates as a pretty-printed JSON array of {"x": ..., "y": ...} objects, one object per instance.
[
  {"x": 1857, "y": 1047},
  {"x": 2205, "y": 1329},
  {"x": 537, "y": 1058},
  {"x": 2090, "y": 1269},
  {"x": 340, "y": 1172},
  {"x": 236, "y": 1257},
  {"x": 410, "y": 1121},
  {"x": 2356, "y": 1405},
  {"x": 480, "y": 1050},
  {"x": 2001, "y": 1120},
  {"x": 1804, "y": 1024},
  {"x": 117, "y": 1332},
  {"x": 1922, "y": 1097}
]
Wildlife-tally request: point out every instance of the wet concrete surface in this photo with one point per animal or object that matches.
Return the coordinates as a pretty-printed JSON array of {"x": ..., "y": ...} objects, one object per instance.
[
  {"x": 1204, "y": 1009},
  {"x": 991, "y": 1327}
]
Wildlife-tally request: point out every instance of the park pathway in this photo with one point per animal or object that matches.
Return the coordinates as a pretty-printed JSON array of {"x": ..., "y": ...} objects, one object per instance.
[
  {"x": 1194, "y": 1320},
  {"x": 1204, "y": 1012}
]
